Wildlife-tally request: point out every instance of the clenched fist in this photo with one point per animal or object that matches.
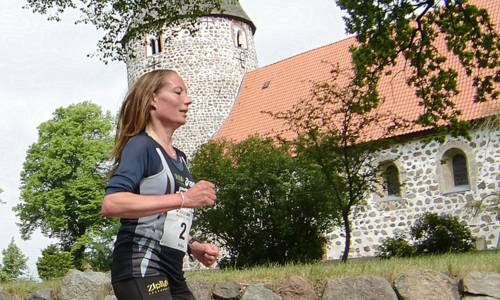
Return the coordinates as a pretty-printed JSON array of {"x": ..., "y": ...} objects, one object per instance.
[
  {"x": 205, "y": 253},
  {"x": 202, "y": 194}
]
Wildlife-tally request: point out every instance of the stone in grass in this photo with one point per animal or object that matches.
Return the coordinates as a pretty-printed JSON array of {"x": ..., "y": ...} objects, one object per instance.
[
  {"x": 259, "y": 292},
  {"x": 44, "y": 294},
  {"x": 297, "y": 288},
  {"x": 227, "y": 291},
  {"x": 200, "y": 289},
  {"x": 426, "y": 285},
  {"x": 4, "y": 295},
  {"x": 482, "y": 283},
  {"x": 359, "y": 287}
]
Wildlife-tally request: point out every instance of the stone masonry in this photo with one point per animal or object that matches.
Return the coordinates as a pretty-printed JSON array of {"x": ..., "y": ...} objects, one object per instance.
[
  {"x": 420, "y": 166},
  {"x": 212, "y": 62}
]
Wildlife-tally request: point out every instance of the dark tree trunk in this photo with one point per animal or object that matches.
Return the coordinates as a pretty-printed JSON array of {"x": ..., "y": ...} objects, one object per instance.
[{"x": 347, "y": 231}]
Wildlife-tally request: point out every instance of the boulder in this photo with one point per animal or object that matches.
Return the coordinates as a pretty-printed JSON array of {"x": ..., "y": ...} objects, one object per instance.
[
  {"x": 45, "y": 294},
  {"x": 482, "y": 283},
  {"x": 259, "y": 292},
  {"x": 359, "y": 288},
  {"x": 227, "y": 291},
  {"x": 426, "y": 285},
  {"x": 4, "y": 295},
  {"x": 86, "y": 285},
  {"x": 297, "y": 288},
  {"x": 200, "y": 289}
]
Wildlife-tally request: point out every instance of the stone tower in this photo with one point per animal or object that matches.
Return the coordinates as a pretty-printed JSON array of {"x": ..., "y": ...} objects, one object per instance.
[{"x": 212, "y": 62}]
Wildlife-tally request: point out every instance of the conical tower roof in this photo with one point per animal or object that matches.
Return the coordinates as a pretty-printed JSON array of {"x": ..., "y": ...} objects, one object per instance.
[{"x": 232, "y": 8}]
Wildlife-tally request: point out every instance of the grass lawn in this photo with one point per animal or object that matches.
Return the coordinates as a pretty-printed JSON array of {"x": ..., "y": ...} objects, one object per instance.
[{"x": 456, "y": 265}]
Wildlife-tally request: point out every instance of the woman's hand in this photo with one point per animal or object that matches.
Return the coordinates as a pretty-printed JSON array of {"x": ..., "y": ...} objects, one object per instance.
[
  {"x": 205, "y": 253},
  {"x": 200, "y": 195}
]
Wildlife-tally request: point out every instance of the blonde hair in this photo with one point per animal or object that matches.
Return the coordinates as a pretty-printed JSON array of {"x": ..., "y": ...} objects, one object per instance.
[{"x": 134, "y": 113}]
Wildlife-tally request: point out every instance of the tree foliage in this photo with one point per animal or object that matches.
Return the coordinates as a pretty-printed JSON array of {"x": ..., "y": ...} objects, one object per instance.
[
  {"x": 334, "y": 128},
  {"x": 270, "y": 208},
  {"x": 123, "y": 21},
  {"x": 54, "y": 263},
  {"x": 13, "y": 263},
  {"x": 387, "y": 30},
  {"x": 64, "y": 174}
]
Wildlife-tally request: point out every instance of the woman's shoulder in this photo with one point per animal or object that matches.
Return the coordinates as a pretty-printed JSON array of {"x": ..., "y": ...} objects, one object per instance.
[{"x": 140, "y": 142}]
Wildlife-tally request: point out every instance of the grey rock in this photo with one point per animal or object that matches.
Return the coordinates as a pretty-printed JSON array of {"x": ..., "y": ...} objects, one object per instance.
[
  {"x": 426, "y": 285},
  {"x": 297, "y": 288},
  {"x": 478, "y": 298},
  {"x": 85, "y": 286},
  {"x": 200, "y": 289},
  {"x": 227, "y": 291},
  {"x": 110, "y": 297},
  {"x": 4, "y": 295},
  {"x": 359, "y": 288},
  {"x": 482, "y": 283},
  {"x": 45, "y": 294},
  {"x": 259, "y": 292}
]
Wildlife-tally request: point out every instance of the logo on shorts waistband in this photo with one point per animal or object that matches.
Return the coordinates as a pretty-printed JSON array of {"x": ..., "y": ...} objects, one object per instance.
[{"x": 157, "y": 287}]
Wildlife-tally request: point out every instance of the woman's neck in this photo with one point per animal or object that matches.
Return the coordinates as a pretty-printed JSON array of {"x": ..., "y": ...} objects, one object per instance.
[{"x": 164, "y": 138}]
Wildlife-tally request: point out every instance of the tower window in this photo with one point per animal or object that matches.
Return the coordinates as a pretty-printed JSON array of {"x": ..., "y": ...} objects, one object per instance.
[
  {"x": 240, "y": 39},
  {"x": 153, "y": 45}
]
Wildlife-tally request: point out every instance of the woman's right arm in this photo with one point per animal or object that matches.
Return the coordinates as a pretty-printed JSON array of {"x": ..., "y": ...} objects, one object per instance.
[{"x": 131, "y": 206}]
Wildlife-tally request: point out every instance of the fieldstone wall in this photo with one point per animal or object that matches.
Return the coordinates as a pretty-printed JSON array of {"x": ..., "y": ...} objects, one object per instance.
[
  {"x": 421, "y": 284},
  {"x": 212, "y": 62},
  {"x": 421, "y": 171}
]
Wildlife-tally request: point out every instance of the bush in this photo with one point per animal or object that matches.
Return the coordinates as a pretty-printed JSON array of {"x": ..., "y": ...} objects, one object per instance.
[
  {"x": 54, "y": 263},
  {"x": 431, "y": 234},
  {"x": 269, "y": 209},
  {"x": 440, "y": 234},
  {"x": 396, "y": 246}
]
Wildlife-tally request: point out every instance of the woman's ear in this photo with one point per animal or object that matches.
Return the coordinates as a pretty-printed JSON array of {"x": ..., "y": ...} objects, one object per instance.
[{"x": 154, "y": 102}]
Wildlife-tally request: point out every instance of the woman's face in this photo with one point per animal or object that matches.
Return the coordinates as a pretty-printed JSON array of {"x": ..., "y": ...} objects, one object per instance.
[{"x": 171, "y": 102}]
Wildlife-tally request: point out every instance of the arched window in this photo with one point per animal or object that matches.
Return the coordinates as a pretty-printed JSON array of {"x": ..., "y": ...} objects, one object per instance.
[
  {"x": 391, "y": 181},
  {"x": 240, "y": 38},
  {"x": 153, "y": 45},
  {"x": 454, "y": 171}
]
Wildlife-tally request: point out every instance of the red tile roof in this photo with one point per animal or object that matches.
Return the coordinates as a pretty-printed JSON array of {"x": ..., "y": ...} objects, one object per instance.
[{"x": 291, "y": 80}]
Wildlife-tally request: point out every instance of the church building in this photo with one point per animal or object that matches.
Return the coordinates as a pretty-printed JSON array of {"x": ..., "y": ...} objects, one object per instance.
[{"x": 230, "y": 93}]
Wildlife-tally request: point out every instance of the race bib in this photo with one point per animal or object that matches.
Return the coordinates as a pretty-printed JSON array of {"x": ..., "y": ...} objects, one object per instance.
[{"x": 176, "y": 228}]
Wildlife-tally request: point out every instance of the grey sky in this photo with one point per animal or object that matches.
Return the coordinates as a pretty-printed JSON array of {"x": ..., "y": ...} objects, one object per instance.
[{"x": 43, "y": 66}]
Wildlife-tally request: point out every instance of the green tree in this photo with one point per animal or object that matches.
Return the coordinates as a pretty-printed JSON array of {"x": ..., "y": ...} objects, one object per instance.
[
  {"x": 63, "y": 177},
  {"x": 13, "y": 262},
  {"x": 389, "y": 30},
  {"x": 122, "y": 21},
  {"x": 339, "y": 131},
  {"x": 54, "y": 263},
  {"x": 270, "y": 208}
]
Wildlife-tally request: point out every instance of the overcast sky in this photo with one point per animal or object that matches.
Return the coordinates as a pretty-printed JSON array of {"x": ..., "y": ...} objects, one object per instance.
[{"x": 44, "y": 65}]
